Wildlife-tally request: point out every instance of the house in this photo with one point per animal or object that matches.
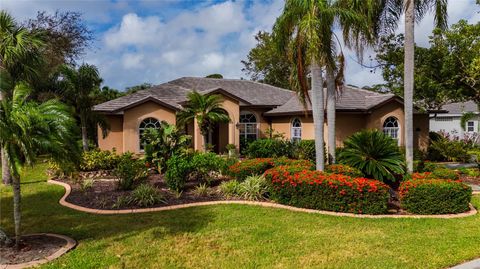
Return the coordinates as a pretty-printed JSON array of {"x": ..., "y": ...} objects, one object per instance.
[
  {"x": 253, "y": 109},
  {"x": 450, "y": 122}
]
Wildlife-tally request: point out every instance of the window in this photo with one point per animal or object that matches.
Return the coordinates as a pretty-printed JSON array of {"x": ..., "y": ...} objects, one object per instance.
[
  {"x": 470, "y": 126},
  {"x": 146, "y": 124},
  {"x": 296, "y": 131},
  {"x": 248, "y": 127},
  {"x": 391, "y": 128}
]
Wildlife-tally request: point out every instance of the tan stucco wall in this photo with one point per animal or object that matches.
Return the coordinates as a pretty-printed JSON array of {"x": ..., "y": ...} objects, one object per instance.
[
  {"x": 347, "y": 124},
  {"x": 393, "y": 109},
  {"x": 134, "y": 116},
  {"x": 114, "y": 139},
  {"x": 283, "y": 125},
  {"x": 421, "y": 127}
]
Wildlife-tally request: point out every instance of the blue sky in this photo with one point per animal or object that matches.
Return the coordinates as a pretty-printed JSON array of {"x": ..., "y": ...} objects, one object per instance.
[{"x": 159, "y": 40}]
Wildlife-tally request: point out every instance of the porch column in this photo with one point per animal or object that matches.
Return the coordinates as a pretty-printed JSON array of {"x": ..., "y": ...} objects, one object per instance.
[{"x": 197, "y": 137}]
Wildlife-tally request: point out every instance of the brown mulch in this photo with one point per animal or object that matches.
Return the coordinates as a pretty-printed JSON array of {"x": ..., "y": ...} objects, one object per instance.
[
  {"x": 104, "y": 194},
  {"x": 32, "y": 248},
  {"x": 470, "y": 180}
]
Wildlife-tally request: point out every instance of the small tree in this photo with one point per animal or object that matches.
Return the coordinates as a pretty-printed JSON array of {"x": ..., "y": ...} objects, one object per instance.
[{"x": 206, "y": 109}]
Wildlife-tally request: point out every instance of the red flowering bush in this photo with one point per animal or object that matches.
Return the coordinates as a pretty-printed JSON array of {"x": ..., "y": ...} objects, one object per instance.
[
  {"x": 294, "y": 185},
  {"x": 434, "y": 196},
  {"x": 258, "y": 166},
  {"x": 343, "y": 170},
  {"x": 439, "y": 173}
]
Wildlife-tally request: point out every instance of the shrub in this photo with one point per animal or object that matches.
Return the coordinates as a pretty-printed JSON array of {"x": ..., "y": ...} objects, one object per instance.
[
  {"x": 201, "y": 190},
  {"x": 203, "y": 164},
  {"x": 129, "y": 171},
  {"x": 121, "y": 201},
  {"x": 229, "y": 188},
  {"x": 306, "y": 164},
  {"x": 145, "y": 195},
  {"x": 269, "y": 148},
  {"x": 445, "y": 173},
  {"x": 99, "y": 160},
  {"x": 178, "y": 169},
  {"x": 250, "y": 167},
  {"x": 86, "y": 184},
  {"x": 343, "y": 170},
  {"x": 430, "y": 166},
  {"x": 305, "y": 149},
  {"x": 253, "y": 188},
  {"x": 375, "y": 154},
  {"x": 317, "y": 190},
  {"x": 229, "y": 161},
  {"x": 435, "y": 196}
]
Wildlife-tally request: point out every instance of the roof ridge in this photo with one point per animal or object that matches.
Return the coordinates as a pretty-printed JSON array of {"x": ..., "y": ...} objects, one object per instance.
[{"x": 239, "y": 80}]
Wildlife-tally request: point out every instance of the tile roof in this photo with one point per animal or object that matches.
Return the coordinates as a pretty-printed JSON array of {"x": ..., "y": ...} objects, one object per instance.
[{"x": 459, "y": 108}]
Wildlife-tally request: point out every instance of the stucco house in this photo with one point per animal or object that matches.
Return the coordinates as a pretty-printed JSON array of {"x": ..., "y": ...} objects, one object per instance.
[
  {"x": 253, "y": 109},
  {"x": 449, "y": 120}
]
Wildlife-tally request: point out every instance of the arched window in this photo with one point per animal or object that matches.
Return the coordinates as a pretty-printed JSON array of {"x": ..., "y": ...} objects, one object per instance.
[
  {"x": 146, "y": 124},
  {"x": 248, "y": 127},
  {"x": 392, "y": 128},
  {"x": 296, "y": 130}
]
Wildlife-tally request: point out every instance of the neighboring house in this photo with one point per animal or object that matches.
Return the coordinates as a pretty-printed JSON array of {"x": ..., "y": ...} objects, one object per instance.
[
  {"x": 253, "y": 109},
  {"x": 450, "y": 121}
]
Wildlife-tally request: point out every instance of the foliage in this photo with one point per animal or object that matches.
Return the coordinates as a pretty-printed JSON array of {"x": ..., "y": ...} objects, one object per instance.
[
  {"x": 201, "y": 190},
  {"x": 466, "y": 116},
  {"x": 305, "y": 149},
  {"x": 269, "y": 148},
  {"x": 438, "y": 173},
  {"x": 129, "y": 171},
  {"x": 145, "y": 195},
  {"x": 375, "y": 154},
  {"x": 97, "y": 159},
  {"x": 204, "y": 164},
  {"x": 86, "y": 184},
  {"x": 217, "y": 76},
  {"x": 450, "y": 148},
  {"x": 160, "y": 144},
  {"x": 136, "y": 88},
  {"x": 178, "y": 169},
  {"x": 342, "y": 169},
  {"x": 253, "y": 188},
  {"x": 317, "y": 190},
  {"x": 230, "y": 188},
  {"x": 258, "y": 166},
  {"x": 266, "y": 64},
  {"x": 435, "y": 196}
]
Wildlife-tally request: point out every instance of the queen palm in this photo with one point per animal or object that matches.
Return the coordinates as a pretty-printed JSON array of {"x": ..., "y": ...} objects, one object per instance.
[
  {"x": 28, "y": 129},
  {"x": 206, "y": 110},
  {"x": 19, "y": 59}
]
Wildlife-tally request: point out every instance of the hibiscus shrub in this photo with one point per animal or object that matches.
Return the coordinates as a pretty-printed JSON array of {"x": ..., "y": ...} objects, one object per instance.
[
  {"x": 258, "y": 166},
  {"x": 439, "y": 173},
  {"x": 343, "y": 170},
  {"x": 299, "y": 187},
  {"x": 435, "y": 196}
]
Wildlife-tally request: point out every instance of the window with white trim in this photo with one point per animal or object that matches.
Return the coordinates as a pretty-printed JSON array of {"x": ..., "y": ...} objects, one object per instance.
[
  {"x": 296, "y": 130},
  {"x": 248, "y": 126},
  {"x": 470, "y": 126},
  {"x": 392, "y": 128},
  {"x": 146, "y": 124}
]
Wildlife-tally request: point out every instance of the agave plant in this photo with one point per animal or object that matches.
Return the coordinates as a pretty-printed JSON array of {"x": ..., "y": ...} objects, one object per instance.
[{"x": 375, "y": 154}]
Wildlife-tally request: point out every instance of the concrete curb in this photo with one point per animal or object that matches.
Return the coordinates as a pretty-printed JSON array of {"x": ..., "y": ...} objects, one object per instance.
[
  {"x": 71, "y": 243},
  {"x": 68, "y": 189},
  {"x": 474, "y": 264}
]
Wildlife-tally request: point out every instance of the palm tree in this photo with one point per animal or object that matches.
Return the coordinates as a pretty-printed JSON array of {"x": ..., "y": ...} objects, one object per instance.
[
  {"x": 28, "y": 129},
  {"x": 206, "y": 110},
  {"x": 19, "y": 59},
  {"x": 80, "y": 86}
]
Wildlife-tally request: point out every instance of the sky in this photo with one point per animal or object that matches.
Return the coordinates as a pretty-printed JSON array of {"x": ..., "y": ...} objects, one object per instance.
[{"x": 155, "y": 41}]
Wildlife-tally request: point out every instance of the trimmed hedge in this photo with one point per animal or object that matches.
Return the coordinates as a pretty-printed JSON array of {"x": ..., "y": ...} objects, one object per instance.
[
  {"x": 435, "y": 196},
  {"x": 313, "y": 189},
  {"x": 343, "y": 170},
  {"x": 439, "y": 173},
  {"x": 258, "y": 166},
  {"x": 269, "y": 148}
]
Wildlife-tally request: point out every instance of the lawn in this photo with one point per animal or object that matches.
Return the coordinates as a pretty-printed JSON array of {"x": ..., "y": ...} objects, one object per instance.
[{"x": 236, "y": 236}]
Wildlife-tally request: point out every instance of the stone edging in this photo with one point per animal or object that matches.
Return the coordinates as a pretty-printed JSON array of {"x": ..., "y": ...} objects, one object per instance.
[
  {"x": 68, "y": 189},
  {"x": 71, "y": 243}
]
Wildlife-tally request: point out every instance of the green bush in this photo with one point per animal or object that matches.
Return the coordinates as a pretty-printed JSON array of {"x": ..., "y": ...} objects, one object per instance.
[
  {"x": 375, "y": 154},
  {"x": 145, "y": 195},
  {"x": 203, "y": 164},
  {"x": 230, "y": 188},
  {"x": 252, "y": 167},
  {"x": 178, "y": 169},
  {"x": 313, "y": 189},
  {"x": 443, "y": 147},
  {"x": 445, "y": 173},
  {"x": 305, "y": 149},
  {"x": 129, "y": 171},
  {"x": 430, "y": 166},
  {"x": 253, "y": 188},
  {"x": 96, "y": 159},
  {"x": 435, "y": 196},
  {"x": 269, "y": 148},
  {"x": 343, "y": 170}
]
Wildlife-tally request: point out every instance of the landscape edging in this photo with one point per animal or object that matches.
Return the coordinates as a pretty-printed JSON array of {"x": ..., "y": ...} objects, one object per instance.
[
  {"x": 71, "y": 243},
  {"x": 68, "y": 189}
]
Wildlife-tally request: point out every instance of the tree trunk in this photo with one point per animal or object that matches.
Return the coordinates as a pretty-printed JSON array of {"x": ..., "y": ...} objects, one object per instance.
[
  {"x": 409, "y": 81},
  {"x": 16, "y": 209},
  {"x": 318, "y": 113},
  {"x": 331, "y": 116},
  {"x": 6, "y": 176},
  {"x": 84, "y": 136}
]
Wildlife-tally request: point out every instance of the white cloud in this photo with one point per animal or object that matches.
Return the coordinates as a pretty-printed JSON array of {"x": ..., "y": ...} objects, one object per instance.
[{"x": 132, "y": 61}]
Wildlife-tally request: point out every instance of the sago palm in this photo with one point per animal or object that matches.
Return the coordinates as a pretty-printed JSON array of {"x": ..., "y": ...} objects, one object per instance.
[
  {"x": 206, "y": 110},
  {"x": 28, "y": 129}
]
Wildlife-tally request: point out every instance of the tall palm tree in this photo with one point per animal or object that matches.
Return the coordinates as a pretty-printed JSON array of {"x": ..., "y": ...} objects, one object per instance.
[
  {"x": 79, "y": 87},
  {"x": 19, "y": 60},
  {"x": 28, "y": 129},
  {"x": 206, "y": 109}
]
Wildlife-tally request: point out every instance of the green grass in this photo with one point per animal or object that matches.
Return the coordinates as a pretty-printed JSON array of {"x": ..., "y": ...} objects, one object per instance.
[{"x": 237, "y": 236}]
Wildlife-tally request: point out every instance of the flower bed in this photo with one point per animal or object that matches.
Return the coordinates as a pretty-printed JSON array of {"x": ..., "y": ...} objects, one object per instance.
[
  {"x": 343, "y": 170},
  {"x": 258, "y": 166},
  {"x": 312, "y": 189},
  {"x": 440, "y": 173},
  {"x": 435, "y": 196}
]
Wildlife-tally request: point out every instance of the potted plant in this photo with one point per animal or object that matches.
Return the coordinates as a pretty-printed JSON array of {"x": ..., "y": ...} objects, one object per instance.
[{"x": 231, "y": 150}]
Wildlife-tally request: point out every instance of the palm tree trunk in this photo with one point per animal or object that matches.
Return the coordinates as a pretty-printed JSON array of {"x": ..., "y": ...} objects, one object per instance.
[
  {"x": 84, "y": 136},
  {"x": 6, "y": 176},
  {"x": 331, "y": 117},
  {"x": 16, "y": 209},
  {"x": 318, "y": 113},
  {"x": 409, "y": 81}
]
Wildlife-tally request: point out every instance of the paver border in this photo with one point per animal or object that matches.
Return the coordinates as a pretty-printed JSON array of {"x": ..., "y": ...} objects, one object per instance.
[
  {"x": 71, "y": 243},
  {"x": 68, "y": 189}
]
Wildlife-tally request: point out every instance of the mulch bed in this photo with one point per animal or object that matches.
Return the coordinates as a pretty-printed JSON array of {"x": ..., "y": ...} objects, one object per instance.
[
  {"x": 470, "y": 180},
  {"x": 32, "y": 248},
  {"x": 104, "y": 194}
]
